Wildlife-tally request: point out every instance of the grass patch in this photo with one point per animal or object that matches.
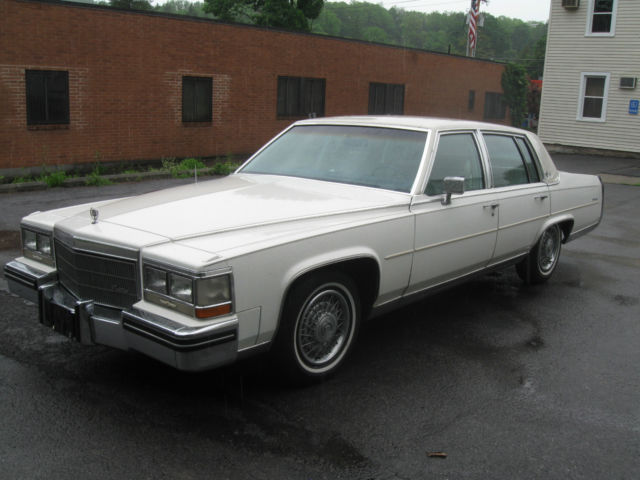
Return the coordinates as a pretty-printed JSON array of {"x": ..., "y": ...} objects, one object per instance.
[
  {"x": 95, "y": 178},
  {"x": 182, "y": 169},
  {"x": 224, "y": 168},
  {"x": 185, "y": 168},
  {"x": 53, "y": 179},
  {"x": 23, "y": 179}
]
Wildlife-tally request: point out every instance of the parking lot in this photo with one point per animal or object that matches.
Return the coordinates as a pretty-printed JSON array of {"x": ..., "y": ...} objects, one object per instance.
[{"x": 491, "y": 379}]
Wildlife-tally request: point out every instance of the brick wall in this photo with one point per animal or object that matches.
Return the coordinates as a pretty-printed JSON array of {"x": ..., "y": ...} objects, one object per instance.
[{"x": 125, "y": 82}]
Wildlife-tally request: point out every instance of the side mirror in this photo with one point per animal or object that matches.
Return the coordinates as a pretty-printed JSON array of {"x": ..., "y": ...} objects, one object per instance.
[{"x": 452, "y": 185}]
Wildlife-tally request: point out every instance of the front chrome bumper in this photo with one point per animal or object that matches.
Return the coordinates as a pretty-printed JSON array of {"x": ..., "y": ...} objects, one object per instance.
[{"x": 183, "y": 347}]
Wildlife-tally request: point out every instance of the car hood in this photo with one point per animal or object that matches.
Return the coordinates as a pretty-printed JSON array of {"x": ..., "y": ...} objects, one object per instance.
[{"x": 235, "y": 202}]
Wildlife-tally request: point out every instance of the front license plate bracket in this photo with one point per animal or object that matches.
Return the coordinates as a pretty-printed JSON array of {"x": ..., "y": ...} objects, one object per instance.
[
  {"x": 62, "y": 319},
  {"x": 64, "y": 314}
]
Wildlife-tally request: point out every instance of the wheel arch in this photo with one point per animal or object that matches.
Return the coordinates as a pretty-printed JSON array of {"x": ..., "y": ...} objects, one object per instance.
[
  {"x": 565, "y": 222},
  {"x": 363, "y": 269}
]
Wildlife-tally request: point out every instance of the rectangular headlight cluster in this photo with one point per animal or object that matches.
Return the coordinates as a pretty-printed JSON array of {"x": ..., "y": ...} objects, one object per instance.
[
  {"x": 197, "y": 296},
  {"x": 37, "y": 246}
]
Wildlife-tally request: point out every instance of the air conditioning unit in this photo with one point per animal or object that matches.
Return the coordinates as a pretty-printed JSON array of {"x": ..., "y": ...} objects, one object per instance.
[
  {"x": 570, "y": 4},
  {"x": 628, "y": 82}
]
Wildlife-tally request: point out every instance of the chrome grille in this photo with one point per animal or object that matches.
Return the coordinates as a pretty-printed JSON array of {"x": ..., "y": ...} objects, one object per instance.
[{"x": 91, "y": 276}]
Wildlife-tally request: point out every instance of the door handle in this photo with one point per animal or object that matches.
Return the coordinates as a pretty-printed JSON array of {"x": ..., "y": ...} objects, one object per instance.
[
  {"x": 493, "y": 207},
  {"x": 541, "y": 197}
]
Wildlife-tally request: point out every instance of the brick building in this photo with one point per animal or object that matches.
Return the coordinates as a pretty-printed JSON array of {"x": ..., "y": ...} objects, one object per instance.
[{"x": 81, "y": 83}]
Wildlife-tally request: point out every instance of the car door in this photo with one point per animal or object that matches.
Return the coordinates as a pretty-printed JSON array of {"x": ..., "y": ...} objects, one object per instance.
[
  {"x": 459, "y": 238},
  {"x": 522, "y": 198}
]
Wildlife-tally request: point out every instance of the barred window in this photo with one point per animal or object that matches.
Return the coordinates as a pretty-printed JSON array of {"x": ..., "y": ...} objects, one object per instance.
[
  {"x": 494, "y": 106},
  {"x": 47, "y": 97},
  {"x": 196, "y": 99},
  {"x": 300, "y": 97},
  {"x": 386, "y": 99}
]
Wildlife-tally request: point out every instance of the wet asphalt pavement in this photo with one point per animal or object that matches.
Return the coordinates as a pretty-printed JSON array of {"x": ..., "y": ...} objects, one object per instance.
[{"x": 508, "y": 381}]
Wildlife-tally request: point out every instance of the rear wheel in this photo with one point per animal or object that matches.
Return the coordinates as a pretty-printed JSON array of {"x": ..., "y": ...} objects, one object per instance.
[
  {"x": 542, "y": 260},
  {"x": 318, "y": 328}
]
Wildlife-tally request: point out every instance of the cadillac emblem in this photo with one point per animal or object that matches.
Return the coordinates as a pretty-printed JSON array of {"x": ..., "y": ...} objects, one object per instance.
[{"x": 94, "y": 215}]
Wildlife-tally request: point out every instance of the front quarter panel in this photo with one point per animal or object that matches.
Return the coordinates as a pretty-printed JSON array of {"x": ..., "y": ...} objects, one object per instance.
[{"x": 263, "y": 277}]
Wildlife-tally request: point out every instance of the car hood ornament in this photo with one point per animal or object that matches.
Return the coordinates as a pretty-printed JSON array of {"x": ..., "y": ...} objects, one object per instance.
[{"x": 94, "y": 215}]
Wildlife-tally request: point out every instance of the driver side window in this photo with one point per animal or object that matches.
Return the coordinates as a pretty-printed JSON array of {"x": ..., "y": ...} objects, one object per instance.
[{"x": 457, "y": 156}]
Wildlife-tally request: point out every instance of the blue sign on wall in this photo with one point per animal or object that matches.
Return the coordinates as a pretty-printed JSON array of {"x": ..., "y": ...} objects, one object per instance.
[{"x": 634, "y": 105}]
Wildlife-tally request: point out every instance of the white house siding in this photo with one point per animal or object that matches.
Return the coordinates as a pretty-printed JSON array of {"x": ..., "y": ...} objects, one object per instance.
[{"x": 570, "y": 53}]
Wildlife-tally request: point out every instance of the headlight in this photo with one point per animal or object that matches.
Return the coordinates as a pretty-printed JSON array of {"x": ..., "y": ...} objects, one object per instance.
[
  {"x": 29, "y": 240},
  {"x": 37, "y": 246},
  {"x": 155, "y": 280},
  {"x": 213, "y": 291},
  {"x": 181, "y": 287},
  {"x": 195, "y": 295},
  {"x": 213, "y": 296}
]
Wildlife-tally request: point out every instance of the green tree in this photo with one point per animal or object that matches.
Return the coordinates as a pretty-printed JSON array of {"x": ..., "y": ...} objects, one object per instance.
[
  {"x": 375, "y": 34},
  {"x": 131, "y": 4},
  {"x": 533, "y": 57},
  {"x": 290, "y": 14},
  {"x": 515, "y": 88},
  {"x": 183, "y": 7},
  {"x": 328, "y": 23}
]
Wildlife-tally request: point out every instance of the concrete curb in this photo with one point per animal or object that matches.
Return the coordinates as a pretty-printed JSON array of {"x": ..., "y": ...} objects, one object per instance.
[{"x": 619, "y": 179}]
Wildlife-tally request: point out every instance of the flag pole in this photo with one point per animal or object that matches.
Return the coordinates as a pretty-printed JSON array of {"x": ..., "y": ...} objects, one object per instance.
[{"x": 473, "y": 18}]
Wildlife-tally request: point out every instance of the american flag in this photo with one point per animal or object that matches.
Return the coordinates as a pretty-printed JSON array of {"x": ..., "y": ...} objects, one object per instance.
[{"x": 472, "y": 41}]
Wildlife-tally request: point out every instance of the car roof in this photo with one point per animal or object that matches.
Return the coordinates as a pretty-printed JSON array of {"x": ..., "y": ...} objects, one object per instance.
[{"x": 406, "y": 121}]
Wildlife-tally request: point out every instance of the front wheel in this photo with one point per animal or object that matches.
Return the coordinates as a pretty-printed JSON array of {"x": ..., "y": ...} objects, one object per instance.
[
  {"x": 318, "y": 327},
  {"x": 542, "y": 260}
]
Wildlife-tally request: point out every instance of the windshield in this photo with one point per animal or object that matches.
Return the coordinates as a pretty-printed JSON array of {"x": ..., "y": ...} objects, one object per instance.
[{"x": 371, "y": 156}]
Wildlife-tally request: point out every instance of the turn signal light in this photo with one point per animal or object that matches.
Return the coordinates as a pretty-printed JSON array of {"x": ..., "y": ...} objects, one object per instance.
[{"x": 213, "y": 311}]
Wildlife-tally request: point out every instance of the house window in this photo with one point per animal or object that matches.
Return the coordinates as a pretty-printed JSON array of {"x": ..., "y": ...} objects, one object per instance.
[
  {"x": 196, "y": 99},
  {"x": 602, "y": 17},
  {"x": 472, "y": 100},
  {"x": 47, "y": 97},
  {"x": 593, "y": 97},
  {"x": 494, "y": 106},
  {"x": 300, "y": 97},
  {"x": 386, "y": 99}
]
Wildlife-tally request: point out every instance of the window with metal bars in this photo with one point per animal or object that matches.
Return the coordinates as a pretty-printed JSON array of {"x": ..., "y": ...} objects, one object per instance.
[
  {"x": 196, "y": 99},
  {"x": 300, "y": 97},
  {"x": 386, "y": 99},
  {"x": 47, "y": 97},
  {"x": 495, "y": 107}
]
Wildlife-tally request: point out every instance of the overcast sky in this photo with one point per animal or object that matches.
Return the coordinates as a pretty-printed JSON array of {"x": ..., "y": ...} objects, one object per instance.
[{"x": 527, "y": 10}]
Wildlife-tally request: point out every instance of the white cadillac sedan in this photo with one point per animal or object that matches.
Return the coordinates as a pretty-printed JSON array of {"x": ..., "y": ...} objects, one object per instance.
[{"x": 333, "y": 221}]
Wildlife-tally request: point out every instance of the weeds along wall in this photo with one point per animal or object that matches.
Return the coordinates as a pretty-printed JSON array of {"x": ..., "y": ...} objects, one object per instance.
[{"x": 126, "y": 72}]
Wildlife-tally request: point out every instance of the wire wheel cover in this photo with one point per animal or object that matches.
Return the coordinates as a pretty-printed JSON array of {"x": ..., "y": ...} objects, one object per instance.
[
  {"x": 324, "y": 327},
  {"x": 549, "y": 249}
]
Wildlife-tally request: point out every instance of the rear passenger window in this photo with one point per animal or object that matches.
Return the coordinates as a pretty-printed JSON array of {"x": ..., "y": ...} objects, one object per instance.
[
  {"x": 507, "y": 164},
  {"x": 457, "y": 156},
  {"x": 529, "y": 160}
]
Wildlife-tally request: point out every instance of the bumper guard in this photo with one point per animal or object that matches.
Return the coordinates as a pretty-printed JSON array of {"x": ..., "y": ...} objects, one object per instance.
[{"x": 191, "y": 348}]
